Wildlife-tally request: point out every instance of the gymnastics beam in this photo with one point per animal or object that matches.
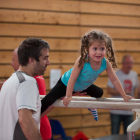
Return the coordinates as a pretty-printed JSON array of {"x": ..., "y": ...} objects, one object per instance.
[
  {"x": 106, "y": 103},
  {"x": 99, "y": 99},
  {"x": 101, "y": 103}
]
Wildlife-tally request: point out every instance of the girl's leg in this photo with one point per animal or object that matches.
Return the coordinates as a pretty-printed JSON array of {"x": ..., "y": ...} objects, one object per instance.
[
  {"x": 94, "y": 91},
  {"x": 97, "y": 92},
  {"x": 58, "y": 91},
  {"x": 94, "y": 113}
]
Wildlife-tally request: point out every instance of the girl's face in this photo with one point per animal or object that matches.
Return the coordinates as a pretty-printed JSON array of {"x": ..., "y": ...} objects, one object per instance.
[{"x": 97, "y": 51}]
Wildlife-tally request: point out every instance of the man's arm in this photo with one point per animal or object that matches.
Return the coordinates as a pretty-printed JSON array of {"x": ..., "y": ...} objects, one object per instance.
[
  {"x": 112, "y": 91},
  {"x": 1, "y": 83},
  {"x": 28, "y": 124},
  {"x": 138, "y": 91}
]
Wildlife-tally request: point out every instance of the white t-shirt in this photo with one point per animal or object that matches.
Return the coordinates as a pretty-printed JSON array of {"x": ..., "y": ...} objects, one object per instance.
[
  {"x": 15, "y": 96},
  {"x": 129, "y": 82}
]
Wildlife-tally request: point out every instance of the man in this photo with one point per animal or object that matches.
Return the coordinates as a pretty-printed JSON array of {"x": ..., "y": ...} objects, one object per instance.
[
  {"x": 19, "y": 99},
  {"x": 45, "y": 128},
  {"x": 14, "y": 63},
  {"x": 129, "y": 81}
]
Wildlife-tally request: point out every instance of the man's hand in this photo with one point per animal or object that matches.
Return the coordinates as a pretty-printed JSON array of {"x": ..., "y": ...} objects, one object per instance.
[
  {"x": 127, "y": 92},
  {"x": 76, "y": 94},
  {"x": 80, "y": 94}
]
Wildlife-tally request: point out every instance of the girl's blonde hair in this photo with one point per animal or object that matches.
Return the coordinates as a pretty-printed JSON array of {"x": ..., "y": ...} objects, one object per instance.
[{"x": 92, "y": 36}]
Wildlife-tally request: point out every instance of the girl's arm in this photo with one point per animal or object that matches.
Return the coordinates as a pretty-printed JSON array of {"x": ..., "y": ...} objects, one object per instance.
[
  {"x": 115, "y": 81},
  {"x": 74, "y": 75}
]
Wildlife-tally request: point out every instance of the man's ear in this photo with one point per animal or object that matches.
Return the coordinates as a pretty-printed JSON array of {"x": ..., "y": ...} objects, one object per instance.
[{"x": 32, "y": 61}]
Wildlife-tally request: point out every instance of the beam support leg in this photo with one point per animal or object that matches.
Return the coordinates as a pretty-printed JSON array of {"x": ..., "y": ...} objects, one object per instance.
[
  {"x": 133, "y": 127},
  {"x": 130, "y": 135}
]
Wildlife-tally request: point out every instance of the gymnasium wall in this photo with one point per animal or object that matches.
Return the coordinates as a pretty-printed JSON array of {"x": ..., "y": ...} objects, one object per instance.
[{"x": 62, "y": 23}]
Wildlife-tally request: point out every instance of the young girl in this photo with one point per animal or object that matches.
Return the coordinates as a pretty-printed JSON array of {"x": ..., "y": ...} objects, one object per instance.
[{"x": 87, "y": 68}]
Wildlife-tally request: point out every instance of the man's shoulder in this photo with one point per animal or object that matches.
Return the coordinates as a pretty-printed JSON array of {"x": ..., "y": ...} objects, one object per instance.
[
  {"x": 132, "y": 72},
  {"x": 28, "y": 78},
  {"x": 118, "y": 71}
]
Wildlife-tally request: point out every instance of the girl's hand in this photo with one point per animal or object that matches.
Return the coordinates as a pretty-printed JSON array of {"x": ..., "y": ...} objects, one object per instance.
[
  {"x": 66, "y": 100},
  {"x": 127, "y": 97}
]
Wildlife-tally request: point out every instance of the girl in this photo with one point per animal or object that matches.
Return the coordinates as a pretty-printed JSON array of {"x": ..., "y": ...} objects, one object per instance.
[{"x": 87, "y": 68}]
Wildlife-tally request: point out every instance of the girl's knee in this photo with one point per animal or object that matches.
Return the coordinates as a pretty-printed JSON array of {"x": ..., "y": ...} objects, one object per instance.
[{"x": 100, "y": 93}]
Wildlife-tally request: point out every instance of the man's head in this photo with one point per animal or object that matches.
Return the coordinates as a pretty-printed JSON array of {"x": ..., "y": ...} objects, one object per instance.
[
  {"x": 127, "y": 64},
  {"x": 31, "y": 48},
  {"x": 34, "y": 53},
  {"x": 14, "y": 63}
]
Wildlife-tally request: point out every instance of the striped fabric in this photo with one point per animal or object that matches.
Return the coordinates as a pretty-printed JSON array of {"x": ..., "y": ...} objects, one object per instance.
[{"x": 94, "y": 113}]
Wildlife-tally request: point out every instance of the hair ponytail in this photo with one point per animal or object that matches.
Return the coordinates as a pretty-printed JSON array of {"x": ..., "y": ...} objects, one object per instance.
[{"x": 110, "y": 53}]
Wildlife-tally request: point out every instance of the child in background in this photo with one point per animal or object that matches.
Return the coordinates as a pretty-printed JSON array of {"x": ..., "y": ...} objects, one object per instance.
[{"x": 87, "y": 68}]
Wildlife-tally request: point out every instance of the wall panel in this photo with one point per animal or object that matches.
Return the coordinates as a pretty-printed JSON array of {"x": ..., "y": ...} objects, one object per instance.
[
  {"x": 39, "y": 17},
  {"x": 108, "y": 8},
  {"x": 49, "y": 5}
]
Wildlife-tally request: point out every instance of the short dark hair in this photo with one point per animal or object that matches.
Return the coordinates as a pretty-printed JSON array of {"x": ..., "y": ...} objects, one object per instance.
[
  {"x": 31, "y": 47},
  {"x": 127, "y": 55}
]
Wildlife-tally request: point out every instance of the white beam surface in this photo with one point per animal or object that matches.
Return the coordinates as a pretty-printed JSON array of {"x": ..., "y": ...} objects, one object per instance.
[
  {"x": 105, "y": 103},
  {"x": 100, "y": 103}
]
